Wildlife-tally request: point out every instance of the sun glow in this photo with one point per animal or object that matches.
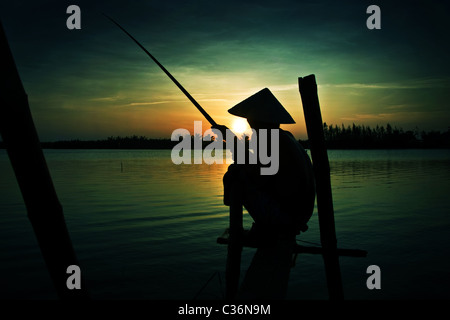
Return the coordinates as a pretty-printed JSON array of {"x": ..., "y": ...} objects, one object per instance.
[{"x": 239, "y": 126}]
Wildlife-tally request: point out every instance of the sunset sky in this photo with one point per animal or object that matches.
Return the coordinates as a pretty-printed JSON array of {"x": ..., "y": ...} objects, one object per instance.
[{"x": 95, "y": 82}]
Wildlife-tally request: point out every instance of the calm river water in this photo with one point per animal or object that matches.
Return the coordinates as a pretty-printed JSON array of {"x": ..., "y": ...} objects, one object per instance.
[{"x": 145, "y": 228}]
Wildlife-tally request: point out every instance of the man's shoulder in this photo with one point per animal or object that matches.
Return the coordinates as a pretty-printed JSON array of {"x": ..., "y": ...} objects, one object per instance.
[
  {"x": 287, "y": 138},
  {"x": 286, "y": 134},
  {"x": 290, "y": 144}
]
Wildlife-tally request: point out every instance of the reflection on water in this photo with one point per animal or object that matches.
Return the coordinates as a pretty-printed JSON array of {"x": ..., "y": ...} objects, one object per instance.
[{"x": 144, "y": 228}]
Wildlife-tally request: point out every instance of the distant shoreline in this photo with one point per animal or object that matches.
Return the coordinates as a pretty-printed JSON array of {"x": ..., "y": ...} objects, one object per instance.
[
  {"x": 336, "y": 137},
  {"x": 167, "y": 144}
]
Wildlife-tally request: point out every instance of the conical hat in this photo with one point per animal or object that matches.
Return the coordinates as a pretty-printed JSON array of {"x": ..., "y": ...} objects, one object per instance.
[{"x": 262, "y": 107}]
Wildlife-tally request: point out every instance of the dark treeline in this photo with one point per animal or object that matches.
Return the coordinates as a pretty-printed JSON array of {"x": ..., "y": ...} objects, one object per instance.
[
  {"x": 133, "y": 142},
  {"x": 365, "y": 137},
  {"x": 336, "y": 137}
]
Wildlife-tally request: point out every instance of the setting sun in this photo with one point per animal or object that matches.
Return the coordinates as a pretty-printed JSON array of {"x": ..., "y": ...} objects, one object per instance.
[{"x": 239, "y": 126}]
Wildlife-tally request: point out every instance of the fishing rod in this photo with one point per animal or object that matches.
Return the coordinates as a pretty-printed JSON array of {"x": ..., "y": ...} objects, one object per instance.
[{"x": 205, "y": 114}]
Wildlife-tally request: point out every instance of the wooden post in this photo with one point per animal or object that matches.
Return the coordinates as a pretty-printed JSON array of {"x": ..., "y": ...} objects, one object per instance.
[
  {"x": 267, "y": 277},
  {"x": 22, "y": 143},
  {"x": 314, "y": 126},
  {"x": 233, "y": 268}
]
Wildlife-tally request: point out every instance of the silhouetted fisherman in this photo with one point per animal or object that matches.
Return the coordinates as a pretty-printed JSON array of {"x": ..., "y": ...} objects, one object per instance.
[{"x": 280, "y": 204}]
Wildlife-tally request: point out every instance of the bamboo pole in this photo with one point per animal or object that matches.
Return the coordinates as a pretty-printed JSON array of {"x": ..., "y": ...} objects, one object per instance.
[
  {"x": 23, "y": 147},
  {"x": 233, "y": 266},
  {"x": 314, "y": 126}
]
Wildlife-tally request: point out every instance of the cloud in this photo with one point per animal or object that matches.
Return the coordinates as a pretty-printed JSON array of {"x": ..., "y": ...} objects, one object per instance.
[
  {"x": 388, "y": 116},
  {"x": 151, "y": 103},
  {"x": 426, "y": 83},
  {"x": 399, "y": 107},
  {"x": 358, "y": 117},
  {"x": 105, "y": 99},
  {"x": 286, "y": 87},
  {"x": 171, "y": 101}
]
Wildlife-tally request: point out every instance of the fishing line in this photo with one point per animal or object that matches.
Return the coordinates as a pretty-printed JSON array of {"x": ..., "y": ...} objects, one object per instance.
[
  {"x": 314, "y": 243},
  {"x": 294, "y": 259},
  {"x": 207, "y": 282}
]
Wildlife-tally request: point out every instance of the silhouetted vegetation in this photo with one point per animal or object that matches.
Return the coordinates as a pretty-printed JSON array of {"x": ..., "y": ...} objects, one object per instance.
[
  {"x": 133, "y": 142},
  {"x": 365, "y": 137},
  {"x": 336, "y": 137}
]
